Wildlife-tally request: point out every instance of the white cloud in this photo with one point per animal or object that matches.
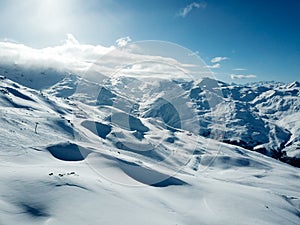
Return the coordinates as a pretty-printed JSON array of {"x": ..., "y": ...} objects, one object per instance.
[
  {"x": 242, "y": 76},
  {"x": 71, "y": 55},
  {"x": 186, "y": 10},
  {"x": 122, "y": 42},
  {"x": 215, "y": 66},
  {"x": 134, "y": 59},
  {"x": 239, "y": 69},
  {"x": 71, "y": 40},
  {"x": 218, "y": 59}
]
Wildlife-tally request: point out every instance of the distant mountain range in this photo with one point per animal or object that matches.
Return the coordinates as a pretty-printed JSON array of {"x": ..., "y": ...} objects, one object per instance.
[{"x": 262, "y": 117}]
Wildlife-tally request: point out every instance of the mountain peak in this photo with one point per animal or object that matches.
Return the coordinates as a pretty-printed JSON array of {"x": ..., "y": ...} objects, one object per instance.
[{"x": 294, "y": 84}]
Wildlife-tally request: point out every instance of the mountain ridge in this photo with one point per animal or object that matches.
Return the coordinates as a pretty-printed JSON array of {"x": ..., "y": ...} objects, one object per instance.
[{"x": 252, "y": 114}]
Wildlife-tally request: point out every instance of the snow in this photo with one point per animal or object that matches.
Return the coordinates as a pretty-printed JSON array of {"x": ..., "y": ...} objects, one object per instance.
[
  {"x": 146, "y": 151},
  {"x": 68, "y": 173}
]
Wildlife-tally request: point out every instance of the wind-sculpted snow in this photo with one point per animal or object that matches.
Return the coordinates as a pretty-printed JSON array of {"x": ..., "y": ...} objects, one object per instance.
[
  {"x": 100, "y": 129},
  {"x": 68, "y": 152},
  {"x": 148, "y": 176}
]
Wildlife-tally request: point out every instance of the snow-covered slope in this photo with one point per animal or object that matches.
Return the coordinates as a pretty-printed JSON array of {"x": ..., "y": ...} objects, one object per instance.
[
  {"x": 260, "y": 116},
  {"x": 129, "y": 152}
]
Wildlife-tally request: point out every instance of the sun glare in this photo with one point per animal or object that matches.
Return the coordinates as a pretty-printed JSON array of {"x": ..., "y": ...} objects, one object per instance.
[{"x": 52, "y": 15}]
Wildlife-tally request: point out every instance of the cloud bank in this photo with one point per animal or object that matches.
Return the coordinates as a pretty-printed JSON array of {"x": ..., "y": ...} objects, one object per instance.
[
  {"x": 154, "y": 59},
  {"x": 69, "y": 56}
]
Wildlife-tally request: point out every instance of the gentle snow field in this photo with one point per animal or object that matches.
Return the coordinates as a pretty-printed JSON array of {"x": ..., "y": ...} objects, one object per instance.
[{"x": 160, "y": 151}]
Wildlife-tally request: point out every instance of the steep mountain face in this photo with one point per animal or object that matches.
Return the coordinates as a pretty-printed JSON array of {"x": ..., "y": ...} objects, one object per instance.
[
  {"x": 281, "y": 106},
  {"x": 259, "y": 117},
  {"x": 262, "y": 116}
]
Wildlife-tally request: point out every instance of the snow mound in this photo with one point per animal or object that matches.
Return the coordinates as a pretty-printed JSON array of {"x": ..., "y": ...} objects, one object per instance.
[
  {"x": 99, "y": 129},
  {"x": 68, "y": 152},
  {"x": 148, "y": 176}
]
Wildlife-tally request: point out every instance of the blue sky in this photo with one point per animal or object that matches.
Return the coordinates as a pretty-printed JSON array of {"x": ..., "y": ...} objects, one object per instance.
[{"x": 260, "y": 37}]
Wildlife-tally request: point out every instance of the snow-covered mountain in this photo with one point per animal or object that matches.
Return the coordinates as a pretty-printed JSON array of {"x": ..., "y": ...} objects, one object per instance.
[
  {"x": 261, "y": 117},
  {"x": 155, "y": 151}
]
